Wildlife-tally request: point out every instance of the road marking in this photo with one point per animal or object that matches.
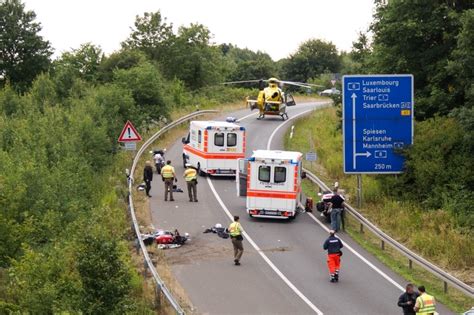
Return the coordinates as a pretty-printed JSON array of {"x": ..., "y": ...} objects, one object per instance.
[
  {"x": 246, "y": 116},
  {"x": 265, "y": 257},
  {"x": 282, "y": 124},
  {"x": 380, "y": 272}
]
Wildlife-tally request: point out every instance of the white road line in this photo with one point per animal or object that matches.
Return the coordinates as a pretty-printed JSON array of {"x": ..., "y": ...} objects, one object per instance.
[
  {"x": 282, "y": 124},
  {"x": 267, "y": 260},
  {"x": 380, "y": 272},
  {"x": 245, "y": 117}
]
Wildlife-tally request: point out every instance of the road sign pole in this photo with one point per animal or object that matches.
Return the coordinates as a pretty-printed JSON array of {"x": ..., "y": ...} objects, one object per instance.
[{"x": 359, "y": 190}]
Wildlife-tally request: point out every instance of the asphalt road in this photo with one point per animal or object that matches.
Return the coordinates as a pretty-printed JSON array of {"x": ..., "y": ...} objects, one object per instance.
[{"x": 288, "y": 273}]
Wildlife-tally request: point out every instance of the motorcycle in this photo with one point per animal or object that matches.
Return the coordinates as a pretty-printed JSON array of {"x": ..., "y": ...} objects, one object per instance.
[
  {"x": 323, "y": 205},
  {"x": 158, "y": 164}
]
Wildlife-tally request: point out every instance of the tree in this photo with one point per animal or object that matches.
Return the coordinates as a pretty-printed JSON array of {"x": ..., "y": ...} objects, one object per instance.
[
  {"x": 152, "y": 35},
  {"x": 312, "y": 58},
  {"x": 23, "y": 52},
  {"x": 105, "y": 277},
  {"x": 461, "y": 65},
  {"x": 81, "y": 63},
  {"x": 418, "y": 37},
  {"x": 360, "y": 54},
  {"x": 193, "y": 59}
]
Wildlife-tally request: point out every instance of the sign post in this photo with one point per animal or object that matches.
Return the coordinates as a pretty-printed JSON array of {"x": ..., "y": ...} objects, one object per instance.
[
  {"x": 377, "y": 123},
  {"x": 129, "y": 136}
]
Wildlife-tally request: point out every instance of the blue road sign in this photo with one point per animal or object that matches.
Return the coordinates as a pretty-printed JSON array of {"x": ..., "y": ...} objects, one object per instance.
[
  {"x": 311, "y": 156},
  {"x": 377, "y": 122}
]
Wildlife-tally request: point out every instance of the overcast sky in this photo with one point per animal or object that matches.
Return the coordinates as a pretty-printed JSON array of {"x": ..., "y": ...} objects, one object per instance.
[{"x": 276, "y": 27}]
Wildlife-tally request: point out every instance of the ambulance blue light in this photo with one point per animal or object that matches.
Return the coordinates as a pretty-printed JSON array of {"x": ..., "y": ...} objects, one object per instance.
[{"x": 209, "y": 128}]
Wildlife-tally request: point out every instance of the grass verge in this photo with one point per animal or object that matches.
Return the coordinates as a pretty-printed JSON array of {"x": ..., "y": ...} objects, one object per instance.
[{"x": 437, "y": 241}]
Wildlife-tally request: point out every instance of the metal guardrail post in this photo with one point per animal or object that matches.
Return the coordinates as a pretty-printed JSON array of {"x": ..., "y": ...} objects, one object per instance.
[
  {"x": 148, "y": 264},
  {"x": 425, "y": 264}
]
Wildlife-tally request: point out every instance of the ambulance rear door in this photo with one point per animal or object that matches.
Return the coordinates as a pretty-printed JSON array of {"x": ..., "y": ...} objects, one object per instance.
[{"x": 241, "y": 177}]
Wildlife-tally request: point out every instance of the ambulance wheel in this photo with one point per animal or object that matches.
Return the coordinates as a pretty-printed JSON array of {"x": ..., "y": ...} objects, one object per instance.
[
  {"x": 201, "y": 173},
  {"x": 184, "y": 161},
  {"x": 292, "y": 217}
]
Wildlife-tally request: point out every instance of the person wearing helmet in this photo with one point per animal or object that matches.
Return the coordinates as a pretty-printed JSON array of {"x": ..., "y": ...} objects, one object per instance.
[{"x": 273, "y": 93}]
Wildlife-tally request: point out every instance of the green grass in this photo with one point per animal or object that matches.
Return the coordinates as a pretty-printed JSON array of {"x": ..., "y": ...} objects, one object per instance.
[{"x": 430, "y": 233}]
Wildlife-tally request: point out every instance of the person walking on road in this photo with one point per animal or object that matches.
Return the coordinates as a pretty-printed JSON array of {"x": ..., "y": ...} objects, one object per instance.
[
  {"x": 148, "y": 177},
  {"x": 333, "y": 245},
  {"x": 190, "y": 175},
  {"x": 169, "y": 176},
  {"x": 408, "y": 299},
  {"x": 425, "y": 303},
  {"x": 235, "y": 231},
  {"x": 336, "y": 206}
]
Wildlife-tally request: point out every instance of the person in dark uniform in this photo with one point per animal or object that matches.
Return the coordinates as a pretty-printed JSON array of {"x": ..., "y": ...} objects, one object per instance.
[
  {"x": 148, "y": 177},
  {"x": 337, "y": 206},
  {"x": 333, "y": 245},
  {"x": 408, "y": 299}
]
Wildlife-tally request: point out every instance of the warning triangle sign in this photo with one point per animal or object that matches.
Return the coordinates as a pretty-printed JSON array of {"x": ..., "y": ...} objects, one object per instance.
[{"x": 129, "y": 133}]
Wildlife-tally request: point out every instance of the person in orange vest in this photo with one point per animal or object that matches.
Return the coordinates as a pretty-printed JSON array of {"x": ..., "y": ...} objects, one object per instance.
[
  {"x": 333, "y": 245},
  {"x": 425, "y": 303}
]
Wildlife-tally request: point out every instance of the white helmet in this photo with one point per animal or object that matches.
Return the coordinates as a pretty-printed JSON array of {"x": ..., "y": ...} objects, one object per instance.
[{"x": 218, "y": 226}]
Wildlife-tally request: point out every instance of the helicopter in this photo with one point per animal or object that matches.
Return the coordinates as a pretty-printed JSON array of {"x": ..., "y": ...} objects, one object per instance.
[{"x": 272, "y": 101}]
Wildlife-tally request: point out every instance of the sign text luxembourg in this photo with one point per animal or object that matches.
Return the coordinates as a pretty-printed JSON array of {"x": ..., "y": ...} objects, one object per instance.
[{"x": 377, "y": 122}]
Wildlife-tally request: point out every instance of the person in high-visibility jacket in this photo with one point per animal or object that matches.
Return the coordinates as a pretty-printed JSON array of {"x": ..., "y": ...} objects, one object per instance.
[
  {"x": 235, "y": 232},
  {"x": 273, "y": 93},
  {"x": 425, "y": 303},
  {"x": 168, "y": 175},
  {"x": 190, "y": 176}
]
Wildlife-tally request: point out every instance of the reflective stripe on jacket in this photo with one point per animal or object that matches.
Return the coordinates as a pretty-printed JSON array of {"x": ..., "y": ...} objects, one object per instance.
[
  {"x": 234, "y": 229},
  {"x": 427, "y": 304},
  {"x": 167, "y": 171},
  {"x": 190, "y": 174}
]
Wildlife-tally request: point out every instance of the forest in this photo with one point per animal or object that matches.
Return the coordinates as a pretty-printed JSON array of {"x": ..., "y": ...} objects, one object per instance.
[{"x": 62, "y": 185}]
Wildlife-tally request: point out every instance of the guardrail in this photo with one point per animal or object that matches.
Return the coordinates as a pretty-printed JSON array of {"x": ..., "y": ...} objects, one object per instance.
[
  {"x": 435, "y": 270},
  {"x": 161, "y": 287}
]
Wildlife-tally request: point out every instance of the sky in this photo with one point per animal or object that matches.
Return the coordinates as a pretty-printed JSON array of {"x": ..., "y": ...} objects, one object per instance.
[{"x": 275, "y": 27}]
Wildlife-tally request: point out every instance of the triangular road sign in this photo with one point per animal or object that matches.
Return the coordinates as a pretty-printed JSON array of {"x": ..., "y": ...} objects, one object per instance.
[{"x": 129, "y": 133}]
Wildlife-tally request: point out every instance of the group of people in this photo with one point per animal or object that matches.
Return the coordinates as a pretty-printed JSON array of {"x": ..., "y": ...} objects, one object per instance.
[
  {"x": 169, "y": 178},
  {"x": 411, "y": 301}
]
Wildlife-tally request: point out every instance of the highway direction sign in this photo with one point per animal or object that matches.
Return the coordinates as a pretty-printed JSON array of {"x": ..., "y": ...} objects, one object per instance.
[
  {"x": 377, "y": 122},
  {"x": 129, "y": 133}
]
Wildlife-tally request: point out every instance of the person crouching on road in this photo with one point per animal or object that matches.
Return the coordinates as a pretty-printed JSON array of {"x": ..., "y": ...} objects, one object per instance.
[
  {"x": 235, "y": 231},
  {"x": 408, "y": 299},
  {"x": 190, "y": 175},
  {"x": 148, "y": 177},
  {"x": 333, "y": 245},
  {"x": 168, "y": 175}
]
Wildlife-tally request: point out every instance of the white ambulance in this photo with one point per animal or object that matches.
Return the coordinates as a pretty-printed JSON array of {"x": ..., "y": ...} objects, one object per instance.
[
  {"x": 271, "y": 180},
  {"x": 213, "y": 147}
]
